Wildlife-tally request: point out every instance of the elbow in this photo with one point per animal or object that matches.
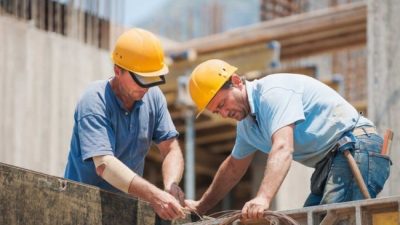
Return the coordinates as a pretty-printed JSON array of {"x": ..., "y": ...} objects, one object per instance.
[
  {"x": 99, "y": 164},
  {"x": 100, "y": 169},
  {"x": 284, "y": 150}
]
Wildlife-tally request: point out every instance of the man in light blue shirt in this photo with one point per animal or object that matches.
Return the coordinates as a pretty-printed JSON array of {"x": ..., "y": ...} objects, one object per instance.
[
  {"x": 117, "y": 120},
  {"x": 289, "y": 117}
]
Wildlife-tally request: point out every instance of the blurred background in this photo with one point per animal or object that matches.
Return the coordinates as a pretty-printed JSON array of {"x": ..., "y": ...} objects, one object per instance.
[{"x": 51, "y": 50}]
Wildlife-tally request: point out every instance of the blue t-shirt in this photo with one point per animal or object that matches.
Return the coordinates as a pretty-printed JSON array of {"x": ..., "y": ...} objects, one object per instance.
[
  {"x": 319, "y": 113},
  {"x": 103, "y": 127}
]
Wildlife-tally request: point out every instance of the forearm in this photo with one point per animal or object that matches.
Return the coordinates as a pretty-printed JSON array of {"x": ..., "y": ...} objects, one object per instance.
[
  {"x": 278, "y": 165},
  {"x": 141, "y": 188},
  {"x": 226, "y": 177},
  {"x": 172, "y": 167},
  {"x": 123, "y": 178}
]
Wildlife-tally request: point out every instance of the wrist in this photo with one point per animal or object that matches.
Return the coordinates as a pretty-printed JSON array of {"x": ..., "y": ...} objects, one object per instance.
[
  {"x": 168, "y": 185},
  {"x": 201, "y": 210},
  {"x": 262, "y": 195},
  {"x": 155, "y": 196},
  {"x": 201, "y": 207},
  {"x": 142, "y": 189}
]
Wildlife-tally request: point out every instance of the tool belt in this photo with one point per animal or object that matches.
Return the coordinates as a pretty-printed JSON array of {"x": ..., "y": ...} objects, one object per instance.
[
  {"x": 320, "y": 175},
  {"x": 322, "y": 168}
]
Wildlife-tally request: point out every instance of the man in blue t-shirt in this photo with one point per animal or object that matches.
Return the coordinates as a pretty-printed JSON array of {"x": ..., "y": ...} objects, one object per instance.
[
  {"x": 117, "y": 120},
  {"x": 288, "y": 117}
]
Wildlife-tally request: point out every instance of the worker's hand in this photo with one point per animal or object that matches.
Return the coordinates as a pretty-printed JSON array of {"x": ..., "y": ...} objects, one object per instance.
[
  {"x": 192, "y": 206},
  {"x": 254, "y": 209},
  {"x": 177, "y": 192},
  {"x": 167, "y": 207}
]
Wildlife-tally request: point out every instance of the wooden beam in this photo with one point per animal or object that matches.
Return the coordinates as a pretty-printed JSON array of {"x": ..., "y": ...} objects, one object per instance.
[
  {"x": 306, "y": 70},
  {"x": 205, "y": 165},
  {"x": 357, "y": 27},
  {"x": 208, "y": 139},
  {"x": 216, "y": 117},
  {"x": 222, "y": 148},
  {"x": 170, "y": 96},
  {"x": 176, "y": 114},
  {"x": 257, "y": 57},
  {"x": 203, "y": 125},
  {"x": 277, "y": 29},
  {"x": 336, "y": 43}
]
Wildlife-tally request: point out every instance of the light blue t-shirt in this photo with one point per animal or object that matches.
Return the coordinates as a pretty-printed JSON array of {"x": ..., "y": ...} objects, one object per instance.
[
  {"x": 103, "y": 127},
  {"x": 319, "y": 113}
]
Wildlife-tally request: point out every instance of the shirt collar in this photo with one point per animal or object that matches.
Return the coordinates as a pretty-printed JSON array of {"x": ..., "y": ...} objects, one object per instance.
[{"x": 250, "y": 90}]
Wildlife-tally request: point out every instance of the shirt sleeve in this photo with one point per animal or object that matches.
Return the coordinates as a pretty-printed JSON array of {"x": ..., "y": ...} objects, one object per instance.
[
  {"x": 96, "y": 136},
  {"x": 280, "y": 107},
  {"x": 164, "y": 127}
]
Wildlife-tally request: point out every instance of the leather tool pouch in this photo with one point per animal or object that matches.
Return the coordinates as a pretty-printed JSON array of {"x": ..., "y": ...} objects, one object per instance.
[{"x": 320, "y": 175}]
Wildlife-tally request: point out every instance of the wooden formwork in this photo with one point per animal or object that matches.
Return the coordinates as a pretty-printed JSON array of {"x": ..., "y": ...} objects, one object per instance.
[
  {"x": 381, "y": 211},
  {"x": 28, "y": 197}
]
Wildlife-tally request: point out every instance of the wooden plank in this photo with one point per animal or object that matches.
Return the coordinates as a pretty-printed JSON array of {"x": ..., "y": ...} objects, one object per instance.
[
  {"x": 314, "y": 47},
  {"x": 324, "y": 34},
  {"x": 203, "y": 125},
  {"x": 222, "y": 148},
  {"x": 200, "y": 168},
  {"x": 35, "y": 198},
  {"x": 216, "y": 137},
  {"x": 29, "y": 197},
  {"x": 387, "y": 218}
]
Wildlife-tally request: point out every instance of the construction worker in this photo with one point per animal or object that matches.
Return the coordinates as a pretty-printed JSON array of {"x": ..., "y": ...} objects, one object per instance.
[
  {"x": 116, "y": 121},
  {"x": 288, "y": 117}
]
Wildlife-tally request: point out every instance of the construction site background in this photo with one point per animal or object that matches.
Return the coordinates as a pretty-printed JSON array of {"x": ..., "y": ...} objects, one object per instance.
[{"x": 50, "y": 51}]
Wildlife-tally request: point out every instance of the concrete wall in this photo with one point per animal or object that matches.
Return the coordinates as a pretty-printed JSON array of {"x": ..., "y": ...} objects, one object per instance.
[
  {"x": 384, "y": 77},
  {"x": 41, "y": 77}
]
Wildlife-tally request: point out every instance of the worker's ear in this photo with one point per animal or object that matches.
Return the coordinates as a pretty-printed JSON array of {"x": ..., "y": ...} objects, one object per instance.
[
  {"x": 236, "y": 81},
  {"x": 117, "y": 70}
]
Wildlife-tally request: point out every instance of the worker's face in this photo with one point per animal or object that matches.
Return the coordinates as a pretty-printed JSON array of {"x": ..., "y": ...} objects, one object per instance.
[
  {"x": 231, "y": 103},
  {"x": 130, "y": 88}
]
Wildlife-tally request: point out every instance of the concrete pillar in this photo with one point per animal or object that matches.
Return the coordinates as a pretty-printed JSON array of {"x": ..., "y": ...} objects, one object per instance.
[{"x": 384, "y": 77}]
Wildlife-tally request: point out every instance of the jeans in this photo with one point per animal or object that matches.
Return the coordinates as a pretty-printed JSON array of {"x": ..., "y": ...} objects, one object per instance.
[{"x": 341, "y": 186}]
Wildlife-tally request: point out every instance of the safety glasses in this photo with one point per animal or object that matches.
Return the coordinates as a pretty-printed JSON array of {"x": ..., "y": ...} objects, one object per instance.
[{"x": 147, "y": 82}]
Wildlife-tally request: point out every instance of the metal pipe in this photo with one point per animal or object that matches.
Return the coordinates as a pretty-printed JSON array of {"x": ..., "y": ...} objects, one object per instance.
[
  {"x": 184, "y": 101},
  {"x": 190, "y": 155}
]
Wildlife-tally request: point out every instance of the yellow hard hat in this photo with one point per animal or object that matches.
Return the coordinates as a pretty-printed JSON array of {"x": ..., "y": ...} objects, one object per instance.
[
  {"x": 206, "y": 80},
  {"x": 140, "y": 52}
]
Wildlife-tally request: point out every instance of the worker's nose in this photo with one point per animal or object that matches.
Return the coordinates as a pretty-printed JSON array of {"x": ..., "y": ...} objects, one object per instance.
[{"x": 223, "y": 113}]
